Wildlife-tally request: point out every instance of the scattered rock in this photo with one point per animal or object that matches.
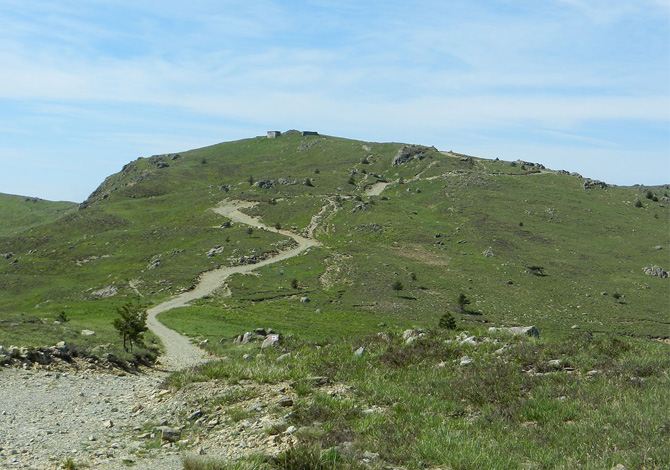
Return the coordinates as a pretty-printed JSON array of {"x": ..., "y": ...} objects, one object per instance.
[
  {"x": 154, "y": 264},
  {"x": 590, "y": 184},
  {"x": 655, "y": 271},
  {"x": 104, "y": 293},
  {"x": 370, "y": 456},
  {"x": 169, "y": 434},
  {"x": 575, "y": 327},
  {"x": 264, "y": 184},
  {"x": 87, "y": 332},
  {"x": 407, "y": 334},
  {"x": 465, "y": 360},
  {"x": 283, "y": 357},
  {"x": 285, "y": 402},
  {"x": 304, "y": 299},
  {"x": 409, "y": 152},
  {"x": 360, "y": 351},
  {"x": 270, "y": 340},
  {"x": 217, "y": 250},
  {"x": 518, "y": 330}
]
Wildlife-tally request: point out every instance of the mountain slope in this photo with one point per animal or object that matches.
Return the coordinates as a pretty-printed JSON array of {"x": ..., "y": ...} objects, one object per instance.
[
  {"x": 20, "y": 213},
  {"x": 527, "y": 245}
]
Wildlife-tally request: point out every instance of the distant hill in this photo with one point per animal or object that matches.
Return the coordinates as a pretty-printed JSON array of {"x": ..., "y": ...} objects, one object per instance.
[
  {"x": 527, "y": 245},
  {"x": 19, "y": 213}
]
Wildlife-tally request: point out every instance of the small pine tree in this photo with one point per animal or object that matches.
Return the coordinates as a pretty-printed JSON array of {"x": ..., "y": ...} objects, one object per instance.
[
  {"x": 251, "y": 180},
  {"x": 447, "y": 321},
  {"x": 397, "y": 287},
  {"x": 462, "y": 301},
  {"x": 132, "y": 325},
  {"x": 294, "y": 283},
  {"x": 638, "y": 203},
  {"x": 308, "y": 182},
  {"x": 351, "y": 180},
  {"x": 250, "y": 231}
]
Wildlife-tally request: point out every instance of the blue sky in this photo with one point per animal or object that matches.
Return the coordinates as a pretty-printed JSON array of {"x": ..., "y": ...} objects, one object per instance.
[{"x": 87, "y": 86}]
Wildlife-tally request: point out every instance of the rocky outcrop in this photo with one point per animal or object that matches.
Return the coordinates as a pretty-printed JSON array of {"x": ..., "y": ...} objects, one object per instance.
[
  {"x": 104, "y": 293},
  {"x": 410, "y": 152},
  {"x": 590, "y": 184},
  {"x": 537, "y": 166},
  {"x": 518, "y": 330},
  {"x": 655, "y": 271},
  {"x": 269, "y": 183}
]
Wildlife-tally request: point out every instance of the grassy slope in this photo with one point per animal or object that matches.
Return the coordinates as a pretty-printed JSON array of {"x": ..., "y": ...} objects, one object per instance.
[
  {"x": 587, "y": 241},
  {"x": 20, "y": 213}
]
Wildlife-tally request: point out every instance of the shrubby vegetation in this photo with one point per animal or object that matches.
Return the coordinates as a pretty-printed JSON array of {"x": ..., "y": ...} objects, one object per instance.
[{"x": 593, "y": 402}]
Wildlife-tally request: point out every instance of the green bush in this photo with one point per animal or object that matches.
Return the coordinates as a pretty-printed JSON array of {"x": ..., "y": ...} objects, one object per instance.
[{"x": 447, "y": 321}]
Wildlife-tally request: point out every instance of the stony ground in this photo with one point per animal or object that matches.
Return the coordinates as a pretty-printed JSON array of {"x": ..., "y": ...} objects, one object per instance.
[{"x": 109, "y": 421}]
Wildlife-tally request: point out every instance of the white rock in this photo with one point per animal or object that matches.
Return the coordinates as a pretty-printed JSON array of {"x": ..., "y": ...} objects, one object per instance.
[{"x": 465, "y": 360}]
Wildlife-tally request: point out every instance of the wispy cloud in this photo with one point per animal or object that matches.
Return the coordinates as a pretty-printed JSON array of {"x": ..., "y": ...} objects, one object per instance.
[{"x": 133, "y": 70}]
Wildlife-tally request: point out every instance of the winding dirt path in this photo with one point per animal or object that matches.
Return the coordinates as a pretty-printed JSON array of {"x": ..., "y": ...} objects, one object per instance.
[{"x": 180, "y": 353}]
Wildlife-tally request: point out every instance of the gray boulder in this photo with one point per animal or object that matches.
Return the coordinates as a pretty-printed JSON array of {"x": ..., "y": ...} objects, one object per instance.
[
  {"x": 655, "y": 271},
  {"x": 518, "y": 330},
  {"x": 169, "y": 434},
  {"x": 269, "y": 341}
]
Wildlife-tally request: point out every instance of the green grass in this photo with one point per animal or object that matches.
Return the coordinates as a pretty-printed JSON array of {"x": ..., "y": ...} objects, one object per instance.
[
  {"x": 20, "y": 213},
  {"x": 506, "y": 410}
]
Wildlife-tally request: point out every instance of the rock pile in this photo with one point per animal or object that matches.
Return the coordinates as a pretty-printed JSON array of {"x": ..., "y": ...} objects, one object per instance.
[
  {"x": 409, "y": 152},
  {"x": 268, "y": 337},
  {"x": 655, "y": 271},
  {"x": 538, "y": 166},
  {"x": 590, "y": 184},
  {"x": 60, "y": 357},
  {"x": 518, "y": 330},
  {"x": 268, "y": 183}
]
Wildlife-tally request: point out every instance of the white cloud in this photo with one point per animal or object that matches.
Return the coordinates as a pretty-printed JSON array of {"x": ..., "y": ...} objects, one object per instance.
[{"x": 150, "y": 72}]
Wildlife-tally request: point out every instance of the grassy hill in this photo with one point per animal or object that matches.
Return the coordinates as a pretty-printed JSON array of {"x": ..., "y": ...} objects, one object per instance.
[
  {"x": 404, "y": 231},
  {"x": 20, "y": 213},
  {"x": 526, "y": 245}
]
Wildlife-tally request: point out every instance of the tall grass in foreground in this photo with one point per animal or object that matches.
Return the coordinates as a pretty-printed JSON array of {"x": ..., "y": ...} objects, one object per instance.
[{"x": 591, "y": 403}]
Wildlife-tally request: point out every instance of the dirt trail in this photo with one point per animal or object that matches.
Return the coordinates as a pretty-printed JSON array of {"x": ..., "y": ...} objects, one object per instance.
[
  {"x": 179, "y": 351},
  {"x": 376, "y": 189}
]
